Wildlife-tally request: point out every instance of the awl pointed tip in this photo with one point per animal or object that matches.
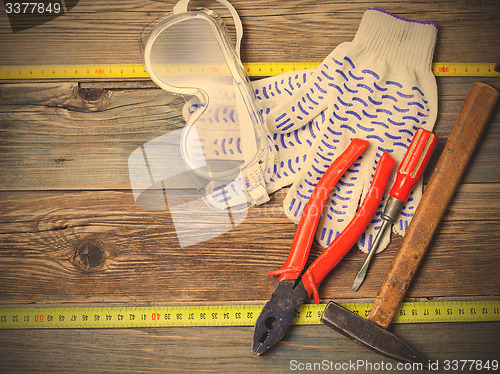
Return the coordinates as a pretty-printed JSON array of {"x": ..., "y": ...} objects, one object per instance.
[
  {"x": 359, "y": 279},
  {"x": 357, "y": 283}
]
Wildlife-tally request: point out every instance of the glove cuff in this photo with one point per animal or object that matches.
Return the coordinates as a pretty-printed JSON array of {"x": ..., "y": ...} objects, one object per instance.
[{"x": 400, "y": 41}]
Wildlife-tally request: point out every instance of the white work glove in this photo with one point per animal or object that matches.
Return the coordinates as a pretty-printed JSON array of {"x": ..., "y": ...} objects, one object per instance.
[{"x": 379, "y": 87}]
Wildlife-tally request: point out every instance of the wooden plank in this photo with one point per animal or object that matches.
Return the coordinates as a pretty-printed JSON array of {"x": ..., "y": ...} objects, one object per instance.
[
  {"x": 96, "y": 246},
  {"x": 45, "y": 125},
  {"x": 227, "y": 349},
  {"x": 108, "y": 32},
  {"x": 70, "y": 232}
]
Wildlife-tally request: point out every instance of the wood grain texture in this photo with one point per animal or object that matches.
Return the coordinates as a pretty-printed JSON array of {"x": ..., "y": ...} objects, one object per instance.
[
  {"x": 70, "y": 232},
  {"x": 227, "y": 349},
  {"x": 43, "y": 237},
  {"x": 44, "y": 126},
  {"x": 108, "y": 32}
]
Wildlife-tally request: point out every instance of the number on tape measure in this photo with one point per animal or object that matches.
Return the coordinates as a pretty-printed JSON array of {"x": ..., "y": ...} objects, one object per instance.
[
  {"x": 92, "y": 71},
  {"x": 229, "y": 315},
  {"x": 465, "y": 69},
  {"x": 253, "y": 69}
]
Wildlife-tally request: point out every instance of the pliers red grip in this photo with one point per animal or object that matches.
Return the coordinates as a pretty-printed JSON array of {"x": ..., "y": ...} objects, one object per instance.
[
  {"x": 293, "y": 289},
  {"x": 301, "y": 245}
]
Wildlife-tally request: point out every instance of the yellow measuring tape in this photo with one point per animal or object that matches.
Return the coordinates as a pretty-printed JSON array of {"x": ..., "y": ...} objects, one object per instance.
[
  {"x": 228, "y": 315},
  {"x": 257, "y": 69}
]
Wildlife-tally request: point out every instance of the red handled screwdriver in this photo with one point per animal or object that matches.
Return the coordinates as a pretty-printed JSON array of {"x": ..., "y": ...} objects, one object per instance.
[{"x": 410, "y": 171}]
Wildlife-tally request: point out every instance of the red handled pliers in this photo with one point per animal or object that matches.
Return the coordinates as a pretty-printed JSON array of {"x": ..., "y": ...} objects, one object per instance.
[{"x": 293, "y": 287}]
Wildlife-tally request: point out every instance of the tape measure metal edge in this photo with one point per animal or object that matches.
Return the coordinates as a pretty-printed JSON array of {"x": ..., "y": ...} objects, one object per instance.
[
  {"x": 258, "y": 69},
  {"x": 228, "y": 315}
]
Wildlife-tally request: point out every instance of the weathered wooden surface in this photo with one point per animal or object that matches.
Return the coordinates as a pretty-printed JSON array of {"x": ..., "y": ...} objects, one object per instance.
[
  {"x": 108, "y": 32},
  {"x": 71, "y": 233},
  {"x": 43, "y": 235},
  {"x": 44, "y": 126},
  {"x": 227, "y": 350}
]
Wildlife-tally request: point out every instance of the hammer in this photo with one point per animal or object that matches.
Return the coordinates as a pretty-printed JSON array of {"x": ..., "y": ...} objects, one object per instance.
[{"x": 458, "y": 150}]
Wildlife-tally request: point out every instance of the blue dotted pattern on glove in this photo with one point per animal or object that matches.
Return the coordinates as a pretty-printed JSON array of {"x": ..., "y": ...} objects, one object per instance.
[
  {"x": 362, "y": 105},
  {"x": 279, "y": 142}
]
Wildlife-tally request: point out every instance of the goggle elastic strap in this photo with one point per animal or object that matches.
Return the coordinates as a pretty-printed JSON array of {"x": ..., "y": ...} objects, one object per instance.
[{"x": 182, "y": 7}]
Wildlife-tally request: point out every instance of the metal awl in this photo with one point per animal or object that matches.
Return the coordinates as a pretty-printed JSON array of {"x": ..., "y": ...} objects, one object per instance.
[{"x": 412, "y": 167}]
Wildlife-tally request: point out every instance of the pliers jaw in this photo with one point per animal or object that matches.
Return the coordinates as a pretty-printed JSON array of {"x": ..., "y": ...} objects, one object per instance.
[{"x": 278, "y": 314}]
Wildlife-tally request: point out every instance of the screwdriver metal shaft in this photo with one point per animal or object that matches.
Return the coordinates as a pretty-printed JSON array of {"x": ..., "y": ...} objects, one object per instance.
[
  {"x": 412, "y": 167},
  {"x": 391, "y": 211}
]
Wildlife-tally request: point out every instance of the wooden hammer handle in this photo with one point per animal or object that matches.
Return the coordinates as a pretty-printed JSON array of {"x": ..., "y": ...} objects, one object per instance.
[{"x": 472, "y": 120}]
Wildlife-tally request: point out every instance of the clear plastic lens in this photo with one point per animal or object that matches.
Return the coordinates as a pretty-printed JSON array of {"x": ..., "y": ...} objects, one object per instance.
[
  {"x": 188, "y": 54},
  {"x": 191, "y": 55},
  {"x": 219, "y": 157}
]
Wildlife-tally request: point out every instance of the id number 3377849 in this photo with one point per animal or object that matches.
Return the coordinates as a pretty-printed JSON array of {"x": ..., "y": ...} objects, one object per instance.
[{"x": 33, "y": 8}]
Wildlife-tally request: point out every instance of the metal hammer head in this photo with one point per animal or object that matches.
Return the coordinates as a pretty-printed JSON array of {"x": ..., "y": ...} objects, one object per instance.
[{"x": 369, "y": 334}]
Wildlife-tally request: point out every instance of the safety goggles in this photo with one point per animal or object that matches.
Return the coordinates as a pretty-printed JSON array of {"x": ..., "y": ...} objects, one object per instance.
[{"x": 221, "y": 154}]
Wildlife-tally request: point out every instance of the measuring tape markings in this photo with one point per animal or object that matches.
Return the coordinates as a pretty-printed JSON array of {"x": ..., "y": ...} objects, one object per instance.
[
  {"x": 98, "y": 317},
  {"x": 449, "y": 69},
  {"x": 228, "y": 315},
  {"x": 256, "y": 69}
]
